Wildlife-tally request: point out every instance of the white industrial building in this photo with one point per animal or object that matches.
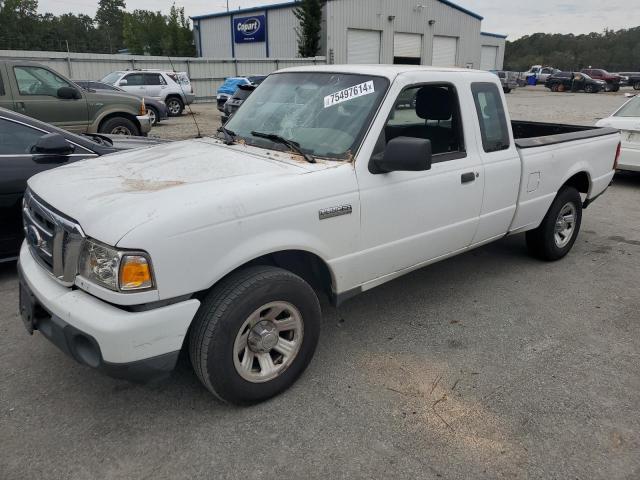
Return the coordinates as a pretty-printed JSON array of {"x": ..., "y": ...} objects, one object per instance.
[{"x": 426, "y": 32}]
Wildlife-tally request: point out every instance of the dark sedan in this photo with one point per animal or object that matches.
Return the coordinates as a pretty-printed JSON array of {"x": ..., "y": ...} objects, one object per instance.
[
  {"x": 157, "y": 110},
  {"x": 233, "y": 104},
  {"x": 574, "y": 82},
  {"x": 29, "y": 146}
]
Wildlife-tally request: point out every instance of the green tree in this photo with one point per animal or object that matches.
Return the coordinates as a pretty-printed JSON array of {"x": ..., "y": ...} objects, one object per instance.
[
  {"x": 309, "y": 14},
  {"x": 110, "y": 21}
]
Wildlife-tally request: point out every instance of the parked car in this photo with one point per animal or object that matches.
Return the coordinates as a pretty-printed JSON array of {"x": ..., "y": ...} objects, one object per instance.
[
  {"x": 312, "y": 187},
  {"x": 156, "y": 108},
  {"x": 574, "y": 82},
  {"x": 540, "y": 72},
  {"x": 627, "y": 120},
  {"x": 509, "y": 80},
  {"x": 231, "y": 84},
  {"x": 152, "y": 83},
  {"x": 232, "y": 105},
  {"x": 29, "y": 146},
  {"x": 612, "y": 80},
  {"x": 42, "y": 93},
  {"x": 633, "y": 79}
]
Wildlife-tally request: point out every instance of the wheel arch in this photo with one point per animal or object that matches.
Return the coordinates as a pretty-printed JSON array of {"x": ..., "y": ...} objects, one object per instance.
[
  {"x": 581, "y": 181},
  {"x": 126, "y": 115}
]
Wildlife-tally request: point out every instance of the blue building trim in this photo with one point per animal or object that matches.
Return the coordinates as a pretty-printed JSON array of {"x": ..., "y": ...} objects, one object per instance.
[
  {"x": 462, "y": 9},
  {"x": 233, "y": 39},
  {"x": 266, "y": 31},
  {"x": 496, "y": 35},
  {"x": 276, "y": 6}
]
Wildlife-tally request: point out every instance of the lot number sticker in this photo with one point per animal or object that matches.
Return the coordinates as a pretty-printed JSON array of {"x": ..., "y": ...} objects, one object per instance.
[{"x": 356, "y": 91}]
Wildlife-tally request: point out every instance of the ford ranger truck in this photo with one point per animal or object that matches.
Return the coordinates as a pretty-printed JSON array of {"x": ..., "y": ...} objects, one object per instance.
[{"x": 320, "y": 183}]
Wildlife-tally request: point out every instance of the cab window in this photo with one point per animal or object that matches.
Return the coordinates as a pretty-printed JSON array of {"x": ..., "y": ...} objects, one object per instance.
[
  {"x": 16, "y": 138},
  {"x": 38, "y": 81},
  {"x": 134, "y": 79},
  {"x": 153, "y": 79},
  {"x": 431, "y": 112},
  {"x": 491, "y": 116}
]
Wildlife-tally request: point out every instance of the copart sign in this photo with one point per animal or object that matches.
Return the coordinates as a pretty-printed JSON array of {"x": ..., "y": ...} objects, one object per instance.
[{"x": 249, "y": 29}]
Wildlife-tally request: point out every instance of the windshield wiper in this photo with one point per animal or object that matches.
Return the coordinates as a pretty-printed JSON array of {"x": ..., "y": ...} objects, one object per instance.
[
  {"x": 229, "y": 136},
  {"x": 292, "y": 144}
]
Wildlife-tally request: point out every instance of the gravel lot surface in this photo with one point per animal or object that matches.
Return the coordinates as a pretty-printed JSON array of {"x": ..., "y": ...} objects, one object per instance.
[{"x": 487, "y": 365}]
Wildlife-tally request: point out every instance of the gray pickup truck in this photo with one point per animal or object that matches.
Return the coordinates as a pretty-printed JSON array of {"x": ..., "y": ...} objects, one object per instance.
[{"x": 42, "y": 93}]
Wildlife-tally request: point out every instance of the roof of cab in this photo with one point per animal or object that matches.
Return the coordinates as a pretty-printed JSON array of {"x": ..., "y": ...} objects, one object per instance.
[{"x": 389, "y": 71}]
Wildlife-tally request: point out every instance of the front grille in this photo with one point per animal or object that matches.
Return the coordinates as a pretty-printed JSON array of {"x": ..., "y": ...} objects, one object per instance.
[{"x": 54, "y": 240}]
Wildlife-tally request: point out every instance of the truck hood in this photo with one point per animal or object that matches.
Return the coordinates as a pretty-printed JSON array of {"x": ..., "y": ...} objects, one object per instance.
[{"x": 111, "y": 195}]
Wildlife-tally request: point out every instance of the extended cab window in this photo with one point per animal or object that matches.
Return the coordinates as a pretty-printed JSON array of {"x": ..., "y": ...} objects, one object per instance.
[
  {"x": 16, "y": 138},
  {"x": 430, "y": 112},
  {"x": 493, "y": 121},
  {"x": 38, "y": 81}
]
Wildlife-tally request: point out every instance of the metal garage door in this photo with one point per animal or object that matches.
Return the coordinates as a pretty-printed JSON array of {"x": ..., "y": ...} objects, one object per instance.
[
  {"x": 407, "y": 45},
  {"x": 363, "y": 46},
  {"x": 488, "y": 57},
  {"x": 445, "y": 51}
]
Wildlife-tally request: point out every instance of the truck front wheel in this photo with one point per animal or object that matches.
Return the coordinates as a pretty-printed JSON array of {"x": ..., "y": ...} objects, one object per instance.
[
  {"x": 254, "y": 334},
  {"x": 559, "y": 229}
]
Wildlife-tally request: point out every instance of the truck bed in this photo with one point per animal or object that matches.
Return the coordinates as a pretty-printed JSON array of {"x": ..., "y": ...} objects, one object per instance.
[{"x": 537, "y": 134}]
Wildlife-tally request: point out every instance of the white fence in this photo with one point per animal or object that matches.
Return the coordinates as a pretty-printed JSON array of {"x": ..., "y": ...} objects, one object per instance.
[{"x": 206, "y": 74}]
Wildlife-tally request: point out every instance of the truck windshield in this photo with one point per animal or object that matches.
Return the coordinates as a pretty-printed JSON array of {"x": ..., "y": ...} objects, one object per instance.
[{"x": 327, "y": 114}]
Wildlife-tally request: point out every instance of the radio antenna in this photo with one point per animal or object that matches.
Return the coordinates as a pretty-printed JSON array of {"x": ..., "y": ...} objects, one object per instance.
[{"x": 185, "y": 97}]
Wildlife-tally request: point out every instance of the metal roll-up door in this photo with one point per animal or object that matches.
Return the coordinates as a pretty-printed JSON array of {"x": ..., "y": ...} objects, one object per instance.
[
  {"x": 363, "y": 46},
  {"x": 407, "y": 45},
  {"x": 445, "y": 51},
  {"x": 488, "y": 57}
]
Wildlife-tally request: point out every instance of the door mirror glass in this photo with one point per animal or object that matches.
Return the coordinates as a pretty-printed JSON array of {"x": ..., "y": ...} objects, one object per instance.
[
  {"x": 68, "y": 93},
  {"x": 53, "y": 144},
  {"x": 407, "y": 154}
]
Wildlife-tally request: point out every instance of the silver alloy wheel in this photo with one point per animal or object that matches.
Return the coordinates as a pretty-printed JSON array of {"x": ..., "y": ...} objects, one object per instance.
[
  {"x": 174, "y": 106},
  {"x": 152, "y": 116},
  {"x": 120, "y": 130},
  {"x": 268, "y": 342},
  {"x": 565, "y": 225}
]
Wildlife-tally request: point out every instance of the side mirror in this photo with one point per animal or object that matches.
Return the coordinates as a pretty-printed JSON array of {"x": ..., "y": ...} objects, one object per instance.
[
  {"x": 53, "y": 144},
  {"x": 68, "y": 93},
  {"x": 407, "y": 154},
  {"x": 122, "y": 83}
]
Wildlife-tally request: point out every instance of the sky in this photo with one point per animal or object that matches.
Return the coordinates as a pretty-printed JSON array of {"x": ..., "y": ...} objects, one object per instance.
[{"x": 510, "y": 17}]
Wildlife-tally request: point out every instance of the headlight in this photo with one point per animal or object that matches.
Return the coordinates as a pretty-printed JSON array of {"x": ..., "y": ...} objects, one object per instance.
[{"x": 115, "y": 269}]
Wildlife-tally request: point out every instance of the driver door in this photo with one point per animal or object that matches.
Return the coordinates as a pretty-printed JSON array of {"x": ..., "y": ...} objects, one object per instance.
[
  {"x": 411, "y": 218},
  {"x": 36, "y": 96}
]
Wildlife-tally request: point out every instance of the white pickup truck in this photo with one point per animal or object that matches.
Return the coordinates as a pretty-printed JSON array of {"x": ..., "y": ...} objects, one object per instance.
[{"x": 321, "y": 182}]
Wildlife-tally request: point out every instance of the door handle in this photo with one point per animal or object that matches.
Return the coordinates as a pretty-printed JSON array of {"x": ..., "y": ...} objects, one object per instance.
[
  {"x": 20, "y": 105},
  {"x": 468, "y": 177}
]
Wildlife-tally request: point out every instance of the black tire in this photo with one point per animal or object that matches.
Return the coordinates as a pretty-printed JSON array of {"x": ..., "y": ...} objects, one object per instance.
[
  {"x": 589, "y": 89},
  {"x": 541, "y": 242},
  {"x": 506, "y": 90},
  {"x": 224, "y": 311},
  {"x": 154, "y": 114},
  {"x": 636, "y": 86},
  {"x": 616, "y": 88},
  {"x": 119, "y": 126},
  {"x": 175, "y": 106},
  {"x": 608, "y": 87},
  {"x": 554, "y": 87}
]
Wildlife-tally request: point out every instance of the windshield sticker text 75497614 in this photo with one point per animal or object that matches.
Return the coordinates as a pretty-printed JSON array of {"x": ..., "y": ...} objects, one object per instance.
[{"x": 355, "y": 91}]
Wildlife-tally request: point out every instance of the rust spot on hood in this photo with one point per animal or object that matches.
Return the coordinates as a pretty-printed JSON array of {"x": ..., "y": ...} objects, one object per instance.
[{"x": 140, "y": 185}]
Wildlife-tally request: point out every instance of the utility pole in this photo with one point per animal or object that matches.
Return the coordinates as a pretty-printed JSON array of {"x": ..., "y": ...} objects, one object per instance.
[{"x": 227, "y": 5}]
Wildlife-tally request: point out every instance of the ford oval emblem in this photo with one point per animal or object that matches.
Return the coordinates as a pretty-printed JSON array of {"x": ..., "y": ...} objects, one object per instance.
[
  {"x": 33, "y": 237},
  {"x": 249, "y": 26}
]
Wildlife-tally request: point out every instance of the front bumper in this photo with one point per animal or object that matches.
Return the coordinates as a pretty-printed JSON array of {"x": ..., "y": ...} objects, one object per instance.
[
  {"x": 189, "y": 98},
  {"x": 145, "y": 123},
  {"x": 629, "y": 159},
  {"x": 139, "y": 345}
]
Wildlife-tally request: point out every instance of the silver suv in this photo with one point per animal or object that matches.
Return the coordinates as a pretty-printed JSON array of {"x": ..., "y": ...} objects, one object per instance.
[{"x": 153, "y": 83}]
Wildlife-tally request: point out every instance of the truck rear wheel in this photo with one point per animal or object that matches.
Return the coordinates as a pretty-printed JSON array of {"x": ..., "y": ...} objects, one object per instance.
[
  {"x": 254, "y": 334},
  {"x": 559, "y": 229}
]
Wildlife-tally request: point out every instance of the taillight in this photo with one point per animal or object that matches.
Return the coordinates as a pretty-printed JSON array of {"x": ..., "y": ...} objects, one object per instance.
[{"x": 615, "y": 161}]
